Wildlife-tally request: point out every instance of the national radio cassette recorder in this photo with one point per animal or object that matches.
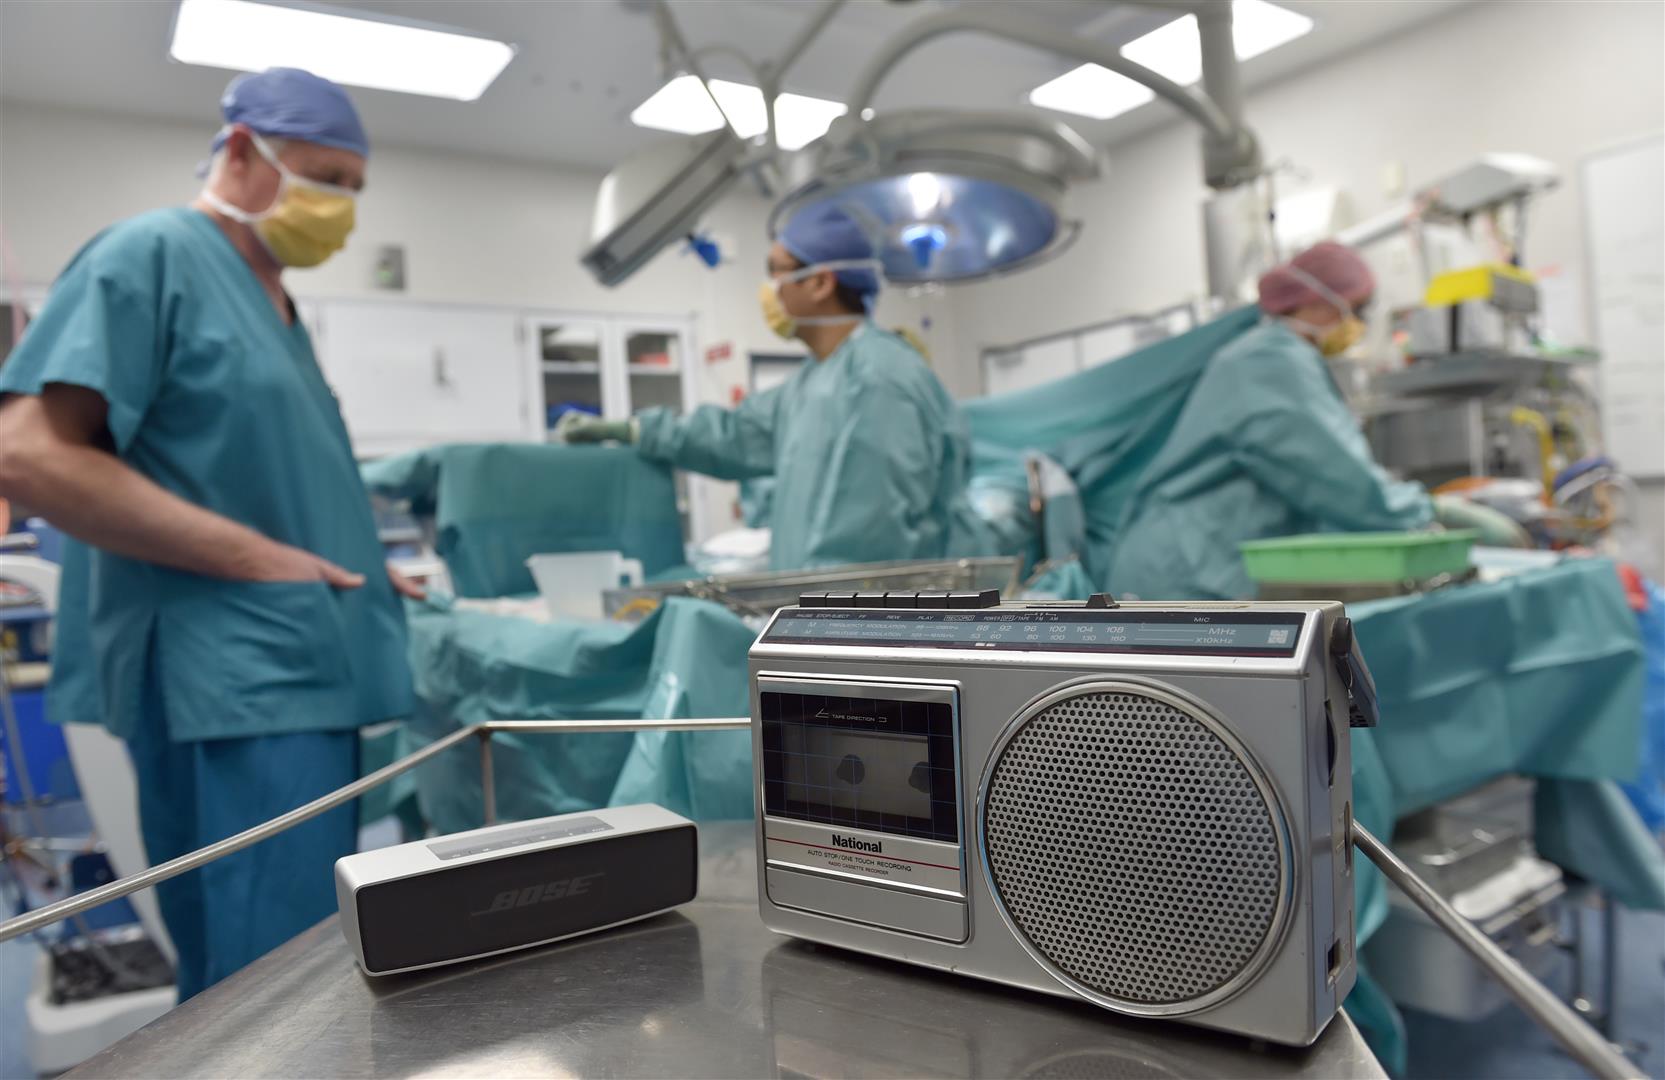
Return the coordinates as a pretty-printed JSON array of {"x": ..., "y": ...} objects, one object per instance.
[{"x": 1145, "y": 806}]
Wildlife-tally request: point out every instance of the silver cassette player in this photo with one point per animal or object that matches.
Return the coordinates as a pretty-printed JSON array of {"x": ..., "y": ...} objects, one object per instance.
[{"x": 1146, "y": 806}]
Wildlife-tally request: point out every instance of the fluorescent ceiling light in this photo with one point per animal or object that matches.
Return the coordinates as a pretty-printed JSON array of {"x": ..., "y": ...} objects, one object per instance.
[
  {"x": 1172, "y": 50},
  {"x": 683, "y": 106},
  {"x": 800, "y": 120},
  {"x": 404, "y": 57},
  {"x": 1256, "y": 27},
  {"x": 1092, "y": 91}
]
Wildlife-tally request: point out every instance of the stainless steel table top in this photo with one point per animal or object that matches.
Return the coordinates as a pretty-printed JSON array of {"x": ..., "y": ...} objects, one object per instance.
[{"x": 702, "y": 992}]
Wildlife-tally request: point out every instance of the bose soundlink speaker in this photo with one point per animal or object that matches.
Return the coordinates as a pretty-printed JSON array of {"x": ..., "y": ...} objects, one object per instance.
[
  {"x": 507, "y": 887},
  {"x": 1144, "y": 806}
]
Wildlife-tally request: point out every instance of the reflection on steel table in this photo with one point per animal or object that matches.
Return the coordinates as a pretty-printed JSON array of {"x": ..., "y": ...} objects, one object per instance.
[{"x": 702, "y": 992}]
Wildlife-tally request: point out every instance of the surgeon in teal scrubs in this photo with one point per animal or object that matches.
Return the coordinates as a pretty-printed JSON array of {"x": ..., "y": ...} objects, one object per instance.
[
  {"x": 869, "y": 454},
  {"x": 1265, "y": 446},
  {"x": 227, "y": 610}
]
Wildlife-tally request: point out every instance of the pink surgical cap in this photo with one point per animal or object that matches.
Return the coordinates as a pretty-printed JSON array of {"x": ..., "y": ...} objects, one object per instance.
[{"x": 1338, "y": 267}]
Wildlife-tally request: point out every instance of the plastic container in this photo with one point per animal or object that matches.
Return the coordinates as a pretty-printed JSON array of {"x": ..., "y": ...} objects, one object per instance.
[
  {"x": 1350, "y": 557},
  {"x": 571, "y": 583}
]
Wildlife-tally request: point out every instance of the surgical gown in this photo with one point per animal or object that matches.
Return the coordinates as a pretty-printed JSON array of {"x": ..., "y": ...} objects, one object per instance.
[
  {"x": 869, "y": 454},
  {"x": 1265, "y": 446},
  {"x": 238, "y": 700}
]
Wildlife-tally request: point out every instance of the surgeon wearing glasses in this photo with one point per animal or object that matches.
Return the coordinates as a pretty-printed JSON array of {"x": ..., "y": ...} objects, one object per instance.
[{"x": 869, "y": 453}]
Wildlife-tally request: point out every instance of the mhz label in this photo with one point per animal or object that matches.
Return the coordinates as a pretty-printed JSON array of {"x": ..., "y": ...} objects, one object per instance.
[{"x": 894, "y": 860}]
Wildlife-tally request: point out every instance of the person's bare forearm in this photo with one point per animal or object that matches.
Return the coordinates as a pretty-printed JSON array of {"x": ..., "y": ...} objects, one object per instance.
[{"x": 97, "y": 498}]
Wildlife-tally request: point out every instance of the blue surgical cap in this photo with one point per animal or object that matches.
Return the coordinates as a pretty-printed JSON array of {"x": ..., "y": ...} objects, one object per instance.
[
  {"x": 288, "y": 103},
  {"x": 828, "y": 234}
]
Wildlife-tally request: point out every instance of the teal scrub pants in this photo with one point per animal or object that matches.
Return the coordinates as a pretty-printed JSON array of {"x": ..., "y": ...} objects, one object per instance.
[{"x": 227, "y": 914}]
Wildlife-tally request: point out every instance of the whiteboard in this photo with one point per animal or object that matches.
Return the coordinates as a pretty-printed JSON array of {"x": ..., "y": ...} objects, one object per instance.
[{"x": 1624, "y": 214}]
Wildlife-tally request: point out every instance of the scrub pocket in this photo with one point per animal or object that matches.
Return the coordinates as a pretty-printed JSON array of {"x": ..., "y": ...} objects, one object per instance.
[{"x": 246, "y": 658}]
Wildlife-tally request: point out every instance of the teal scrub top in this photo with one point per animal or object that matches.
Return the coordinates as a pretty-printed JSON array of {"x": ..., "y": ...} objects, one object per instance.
[
  {"x": 870, "y": 456},
  {"x": 213, "y": 397},
  {"x": 1265, "y": 446}
]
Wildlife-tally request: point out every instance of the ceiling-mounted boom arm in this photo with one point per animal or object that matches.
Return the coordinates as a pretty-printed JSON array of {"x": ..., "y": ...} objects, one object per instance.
[
  {"x": 1237, "y": 157},
  {"x": 1231, "y": 153},
  {"x": 674, "y": 53}
]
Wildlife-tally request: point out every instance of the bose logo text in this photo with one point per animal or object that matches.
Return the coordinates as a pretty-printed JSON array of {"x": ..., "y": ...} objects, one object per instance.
[
  {"x": 857, "y": 845},
  {"x": 546, "y": 893}
]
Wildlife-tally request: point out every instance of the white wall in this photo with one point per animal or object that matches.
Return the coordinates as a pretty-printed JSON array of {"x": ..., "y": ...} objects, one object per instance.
[{"x": 1552, "y": 78}]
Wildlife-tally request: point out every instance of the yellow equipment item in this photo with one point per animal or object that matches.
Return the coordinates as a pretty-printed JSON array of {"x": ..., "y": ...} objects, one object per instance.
[
  {"x": 1507, "y": 287},
  {"x": 1532, "y": 418}
]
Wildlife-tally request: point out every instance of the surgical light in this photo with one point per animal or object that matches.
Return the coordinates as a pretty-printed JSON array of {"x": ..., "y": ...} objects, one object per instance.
[
  {"x": 945, "y": 195},
  {"x": 402, "y": 56},
  {"x": 926, "y": 192},
  {"x": 683, "y": 106},
  {"x": 656, "y": 198}
]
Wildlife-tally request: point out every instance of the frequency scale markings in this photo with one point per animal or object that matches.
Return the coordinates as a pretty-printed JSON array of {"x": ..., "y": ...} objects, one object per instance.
[{"x": 1262, "y": 635}]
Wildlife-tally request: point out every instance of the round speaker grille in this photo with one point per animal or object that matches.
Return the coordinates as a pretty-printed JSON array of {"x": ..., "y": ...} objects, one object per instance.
[{"x": 1134, "y": 850}]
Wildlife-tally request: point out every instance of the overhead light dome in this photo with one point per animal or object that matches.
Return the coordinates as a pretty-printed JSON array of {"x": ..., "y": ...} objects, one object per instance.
[{"x": 946, "y": 196}]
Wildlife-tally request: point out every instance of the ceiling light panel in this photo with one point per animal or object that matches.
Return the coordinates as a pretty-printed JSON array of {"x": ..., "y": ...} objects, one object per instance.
[
  {"x": 680, "y": 106},
  {"x": 1091, "y": 91},
  {"x": 406, "y": 58},
  {"x": 1256, "y": 27},
  {"x": 1171, "y": 50},
  {"x": 683, "y": 106}
]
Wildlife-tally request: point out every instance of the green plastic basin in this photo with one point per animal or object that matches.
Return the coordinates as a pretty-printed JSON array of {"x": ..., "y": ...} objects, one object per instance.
[{"x": 1348, "y": 557}]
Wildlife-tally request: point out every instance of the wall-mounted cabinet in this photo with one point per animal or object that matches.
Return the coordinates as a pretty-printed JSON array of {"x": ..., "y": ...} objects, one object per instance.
[
  {"x": 611, "y": 364},
  {"x": 410, "y": 375}
]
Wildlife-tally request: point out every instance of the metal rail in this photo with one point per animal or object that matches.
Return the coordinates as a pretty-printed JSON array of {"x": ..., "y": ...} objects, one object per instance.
[
  {"x": 1578, "y": 1038},
  {"x": 488, "y": 782},
  {"x": 75, "y": 905},
  {"x": 1215, "y": 119}
]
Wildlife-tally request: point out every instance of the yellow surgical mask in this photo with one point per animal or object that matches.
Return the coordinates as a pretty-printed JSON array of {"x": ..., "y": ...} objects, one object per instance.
[
  {"x": 307, "y": 222},
  {"x": 784, "y": 322},
  {"x": 1341, "y": 336},
  {"x": 1331, "y": 340},
  {"x": 774, "y": 312},
  {"x": 307, "y": 226}
]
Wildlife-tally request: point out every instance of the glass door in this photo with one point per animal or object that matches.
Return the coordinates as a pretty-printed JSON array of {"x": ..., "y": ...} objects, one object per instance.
[
  {"x": 658, "y": 371},
  {"x": 569, "y": 353},
  {"x": 654, "y": 360}
]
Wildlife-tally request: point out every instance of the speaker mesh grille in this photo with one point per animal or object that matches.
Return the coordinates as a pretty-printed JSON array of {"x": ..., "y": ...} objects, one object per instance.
[{"x": 1132, "y": 848}]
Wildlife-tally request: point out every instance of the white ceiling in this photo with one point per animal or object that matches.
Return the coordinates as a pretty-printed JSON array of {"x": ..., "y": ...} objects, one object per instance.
[{"x": 582, "y": 65}]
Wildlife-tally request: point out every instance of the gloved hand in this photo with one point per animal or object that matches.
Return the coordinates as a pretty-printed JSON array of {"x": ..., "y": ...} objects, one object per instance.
[
  {"x": 1496, "y": 529},
  {"x": 576, "y": 427}
]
